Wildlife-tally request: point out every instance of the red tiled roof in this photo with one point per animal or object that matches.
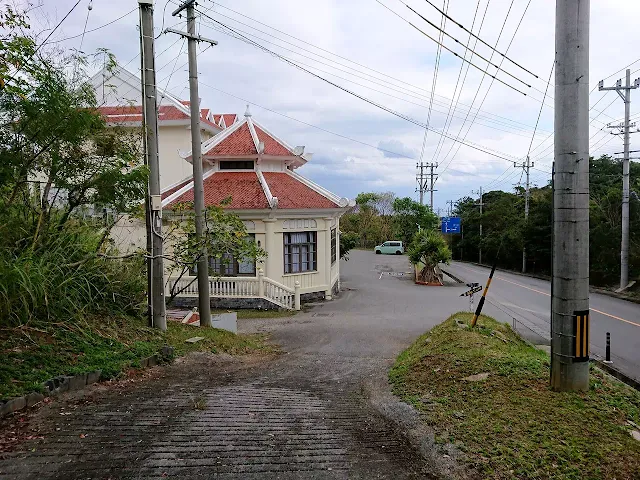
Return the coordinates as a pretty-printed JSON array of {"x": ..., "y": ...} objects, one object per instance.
[
  {"x": 173, "y": 190},
  {"x": 239, "y": 142},
  {"x": 216, "y": 118},
  {"x": 292, "y": 193},
  {"x": 271, "y": 146},
  {"x": 243, "y": 187},
  {"x": 122, "y": 114},
  {"x": 229, "y": 118}
]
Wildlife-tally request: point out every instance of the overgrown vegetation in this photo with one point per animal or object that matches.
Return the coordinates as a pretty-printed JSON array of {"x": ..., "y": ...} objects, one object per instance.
[
  {"x": 378, "y": 217},
  {"x": 70, "y": 301},
  {"x": 511, "y": 425},
  {"x": 112, "y": 345},
  {"x": 503, "y": 215},
  {"x": 61, "y": 169}
]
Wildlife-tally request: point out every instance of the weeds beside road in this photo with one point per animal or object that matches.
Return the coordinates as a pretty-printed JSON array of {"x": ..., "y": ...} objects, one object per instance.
[
  {"x": 32, "y": 355},
  {"x": 511, "y": 425}
]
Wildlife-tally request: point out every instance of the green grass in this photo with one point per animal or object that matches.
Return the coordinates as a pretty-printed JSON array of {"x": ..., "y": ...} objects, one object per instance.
[
  {"x": 31, "y": 355},
  {"x": 512, "y": 425}
]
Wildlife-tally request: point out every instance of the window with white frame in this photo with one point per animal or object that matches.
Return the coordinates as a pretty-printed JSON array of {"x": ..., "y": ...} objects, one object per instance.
[
  {"x": 300, "y": 252},
  {"x": 334, "y": 246}
]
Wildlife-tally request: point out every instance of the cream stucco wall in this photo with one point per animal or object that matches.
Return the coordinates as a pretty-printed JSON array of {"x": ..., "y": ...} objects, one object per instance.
[
  {"x": 171, "y": 140},
  {"x": 129, "y": 235}
]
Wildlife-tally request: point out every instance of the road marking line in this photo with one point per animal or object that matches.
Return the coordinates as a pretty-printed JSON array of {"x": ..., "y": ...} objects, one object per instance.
[
  {"x": 548, "y": 295},
  {"x": 381, "y": 273}
]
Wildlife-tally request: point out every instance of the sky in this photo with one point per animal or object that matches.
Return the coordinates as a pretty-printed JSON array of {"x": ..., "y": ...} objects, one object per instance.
[{"x": 373, "y": 49}]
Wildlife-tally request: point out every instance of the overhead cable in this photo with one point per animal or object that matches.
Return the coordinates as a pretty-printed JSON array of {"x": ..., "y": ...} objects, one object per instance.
[{"x": 504, "y": 56}]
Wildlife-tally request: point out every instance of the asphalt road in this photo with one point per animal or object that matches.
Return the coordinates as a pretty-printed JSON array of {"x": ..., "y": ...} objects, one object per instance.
[{"x": 528, "y": 301}]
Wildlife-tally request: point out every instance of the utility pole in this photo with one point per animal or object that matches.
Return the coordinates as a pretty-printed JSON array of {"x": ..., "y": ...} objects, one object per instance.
[
  {"x": 626, "y": 98},
  {"x": 204, "y": 306},
  {"x": 450, "y": 209},
  {"x": 570, "y": 252},
  {"x": 423, "y": 184},
  {"x": 155, "y": 263},
  {"x": 480, "y": 204},
  {"x": 526, "y": 166}
]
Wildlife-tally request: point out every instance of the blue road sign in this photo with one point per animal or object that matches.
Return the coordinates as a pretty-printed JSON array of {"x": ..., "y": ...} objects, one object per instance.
[{"x": 450, "y": 225}]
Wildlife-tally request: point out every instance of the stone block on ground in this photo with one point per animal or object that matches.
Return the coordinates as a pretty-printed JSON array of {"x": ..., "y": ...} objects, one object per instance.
[
  {"x": 34, "y": 398},
  {"x": 167, "y": 351},
  {"x": 93, "y": 377},
  {"x": 13, "y": 405},
  {"x": 78, "y": 382},
  {"x": 152, "y": 361},
  {"x": 225, "y": 321},
  {"x": 62, "y": 384},
  {"x": 194, "y": 339}
]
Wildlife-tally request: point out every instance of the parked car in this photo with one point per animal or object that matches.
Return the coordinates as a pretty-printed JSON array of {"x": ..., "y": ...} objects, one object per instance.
[{"x": 389, "y": 248}]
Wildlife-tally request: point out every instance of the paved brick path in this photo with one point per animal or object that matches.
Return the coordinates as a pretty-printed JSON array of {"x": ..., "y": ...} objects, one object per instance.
[{"x": 307, "y": 414}]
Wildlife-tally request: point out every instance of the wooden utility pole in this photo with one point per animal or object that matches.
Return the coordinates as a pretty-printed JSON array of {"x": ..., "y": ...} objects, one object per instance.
[
  {"x": 204, "y": 305},
  {"x": 153, "y": 202},
  {"x": 570, "y": 264}
]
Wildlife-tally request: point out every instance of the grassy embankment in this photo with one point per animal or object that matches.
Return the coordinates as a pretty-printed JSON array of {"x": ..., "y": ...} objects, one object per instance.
[
  {"x": 511, "y": 425},
  {"x": 32, "y": 355}
]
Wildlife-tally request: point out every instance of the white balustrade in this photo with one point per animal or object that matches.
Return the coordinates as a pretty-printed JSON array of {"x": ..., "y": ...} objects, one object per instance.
[{"x": 239, "y": 287}]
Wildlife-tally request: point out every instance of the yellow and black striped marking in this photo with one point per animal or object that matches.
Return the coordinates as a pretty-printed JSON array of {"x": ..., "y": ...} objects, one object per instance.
[{"x": 581, "y": 329}]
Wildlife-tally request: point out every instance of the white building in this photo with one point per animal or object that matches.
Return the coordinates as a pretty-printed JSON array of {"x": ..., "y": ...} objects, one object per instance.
[{"x": 293, "y": 219}]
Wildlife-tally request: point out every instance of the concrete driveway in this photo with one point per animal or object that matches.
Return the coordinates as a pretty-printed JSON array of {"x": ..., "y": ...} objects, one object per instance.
[{"x": 321, "y": 410}]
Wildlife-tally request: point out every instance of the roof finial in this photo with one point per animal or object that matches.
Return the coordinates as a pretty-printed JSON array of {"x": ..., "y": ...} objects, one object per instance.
[{"x": 247, "y": 113}]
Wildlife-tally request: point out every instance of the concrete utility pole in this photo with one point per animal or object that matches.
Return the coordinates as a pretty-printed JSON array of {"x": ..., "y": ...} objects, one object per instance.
[
  {"x": 526, "y": 166},
  {"x": 626, "y": 98},
  {"x": 155, "y": 263},
  {"x": 450, "y": 209},
  {"x": 480, "y": 204},
  {"x": 204, "y": 306},
  {"x": 570, "y": 253},
  {"x": 423, "y": 185}
]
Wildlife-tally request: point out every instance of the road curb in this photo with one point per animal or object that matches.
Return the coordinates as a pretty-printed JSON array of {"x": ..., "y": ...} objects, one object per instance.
[{"x": 633, "y": 383}]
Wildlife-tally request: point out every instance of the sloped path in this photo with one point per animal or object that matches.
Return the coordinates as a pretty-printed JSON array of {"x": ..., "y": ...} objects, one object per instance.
[{"x": 321, "y": 410}]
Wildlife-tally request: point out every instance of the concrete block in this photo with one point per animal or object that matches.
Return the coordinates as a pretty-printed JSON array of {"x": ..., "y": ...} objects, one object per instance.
[
  {"x": 152, "y": 361},
  {"x": 61, "y": 383},
  {"x": 193, "y": 339},
  {"x": 13, "y": 405},
  {"x": 77, "y": 382},
  {"x": 93, "y": 377},
  {"x": 33, "y": 398},
  {"x": 144, "y": 363},
  {"x": 167, "y": 351},
  {"x": 225, "y": 321}
]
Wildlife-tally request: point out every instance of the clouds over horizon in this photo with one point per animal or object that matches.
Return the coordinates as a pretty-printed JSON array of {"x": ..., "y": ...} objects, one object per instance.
[{"x": 374, "y": 150}]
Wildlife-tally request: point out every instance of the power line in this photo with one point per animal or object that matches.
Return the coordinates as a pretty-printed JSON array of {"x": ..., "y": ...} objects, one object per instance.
[
  {"x": 371, "y": 102},
  {"x": 451, "y": 51},
  {"x": 336, "y": 55},
  {"x": 482, "y": 81},
  {"x": 433, "y": 89},
  {"x": 221, "y": 30},
  {"x": 45, "y": 41},
  {"x": 462, "y": 65},
  {"x": 504, "y": 56},
  {"x": 472, "y": 51},
  {"x": 97, "y": 28}
]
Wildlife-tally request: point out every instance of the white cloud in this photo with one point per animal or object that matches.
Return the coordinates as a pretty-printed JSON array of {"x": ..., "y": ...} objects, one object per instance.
[{"x": 365, "y": 32}]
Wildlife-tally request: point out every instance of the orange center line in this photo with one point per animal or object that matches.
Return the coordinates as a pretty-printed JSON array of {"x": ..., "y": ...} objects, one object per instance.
[{"x": 548, "y": 295}]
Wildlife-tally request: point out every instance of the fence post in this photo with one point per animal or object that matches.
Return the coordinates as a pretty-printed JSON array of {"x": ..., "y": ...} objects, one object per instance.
[
  {"x": 608, "y": 351},
  {"x": 260, "y": 283},
  {"x": 297, "y": 294}
]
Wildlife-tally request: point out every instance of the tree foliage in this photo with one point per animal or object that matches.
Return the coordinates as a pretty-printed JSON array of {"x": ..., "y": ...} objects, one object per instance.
[
  {"x": 60, "y": 165},
  {"x": 427, "y": 249},
  {"x": 503, "y": 215},
  {"x": 379, "y": 217},
  {"x": 348, "y": 241}
]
